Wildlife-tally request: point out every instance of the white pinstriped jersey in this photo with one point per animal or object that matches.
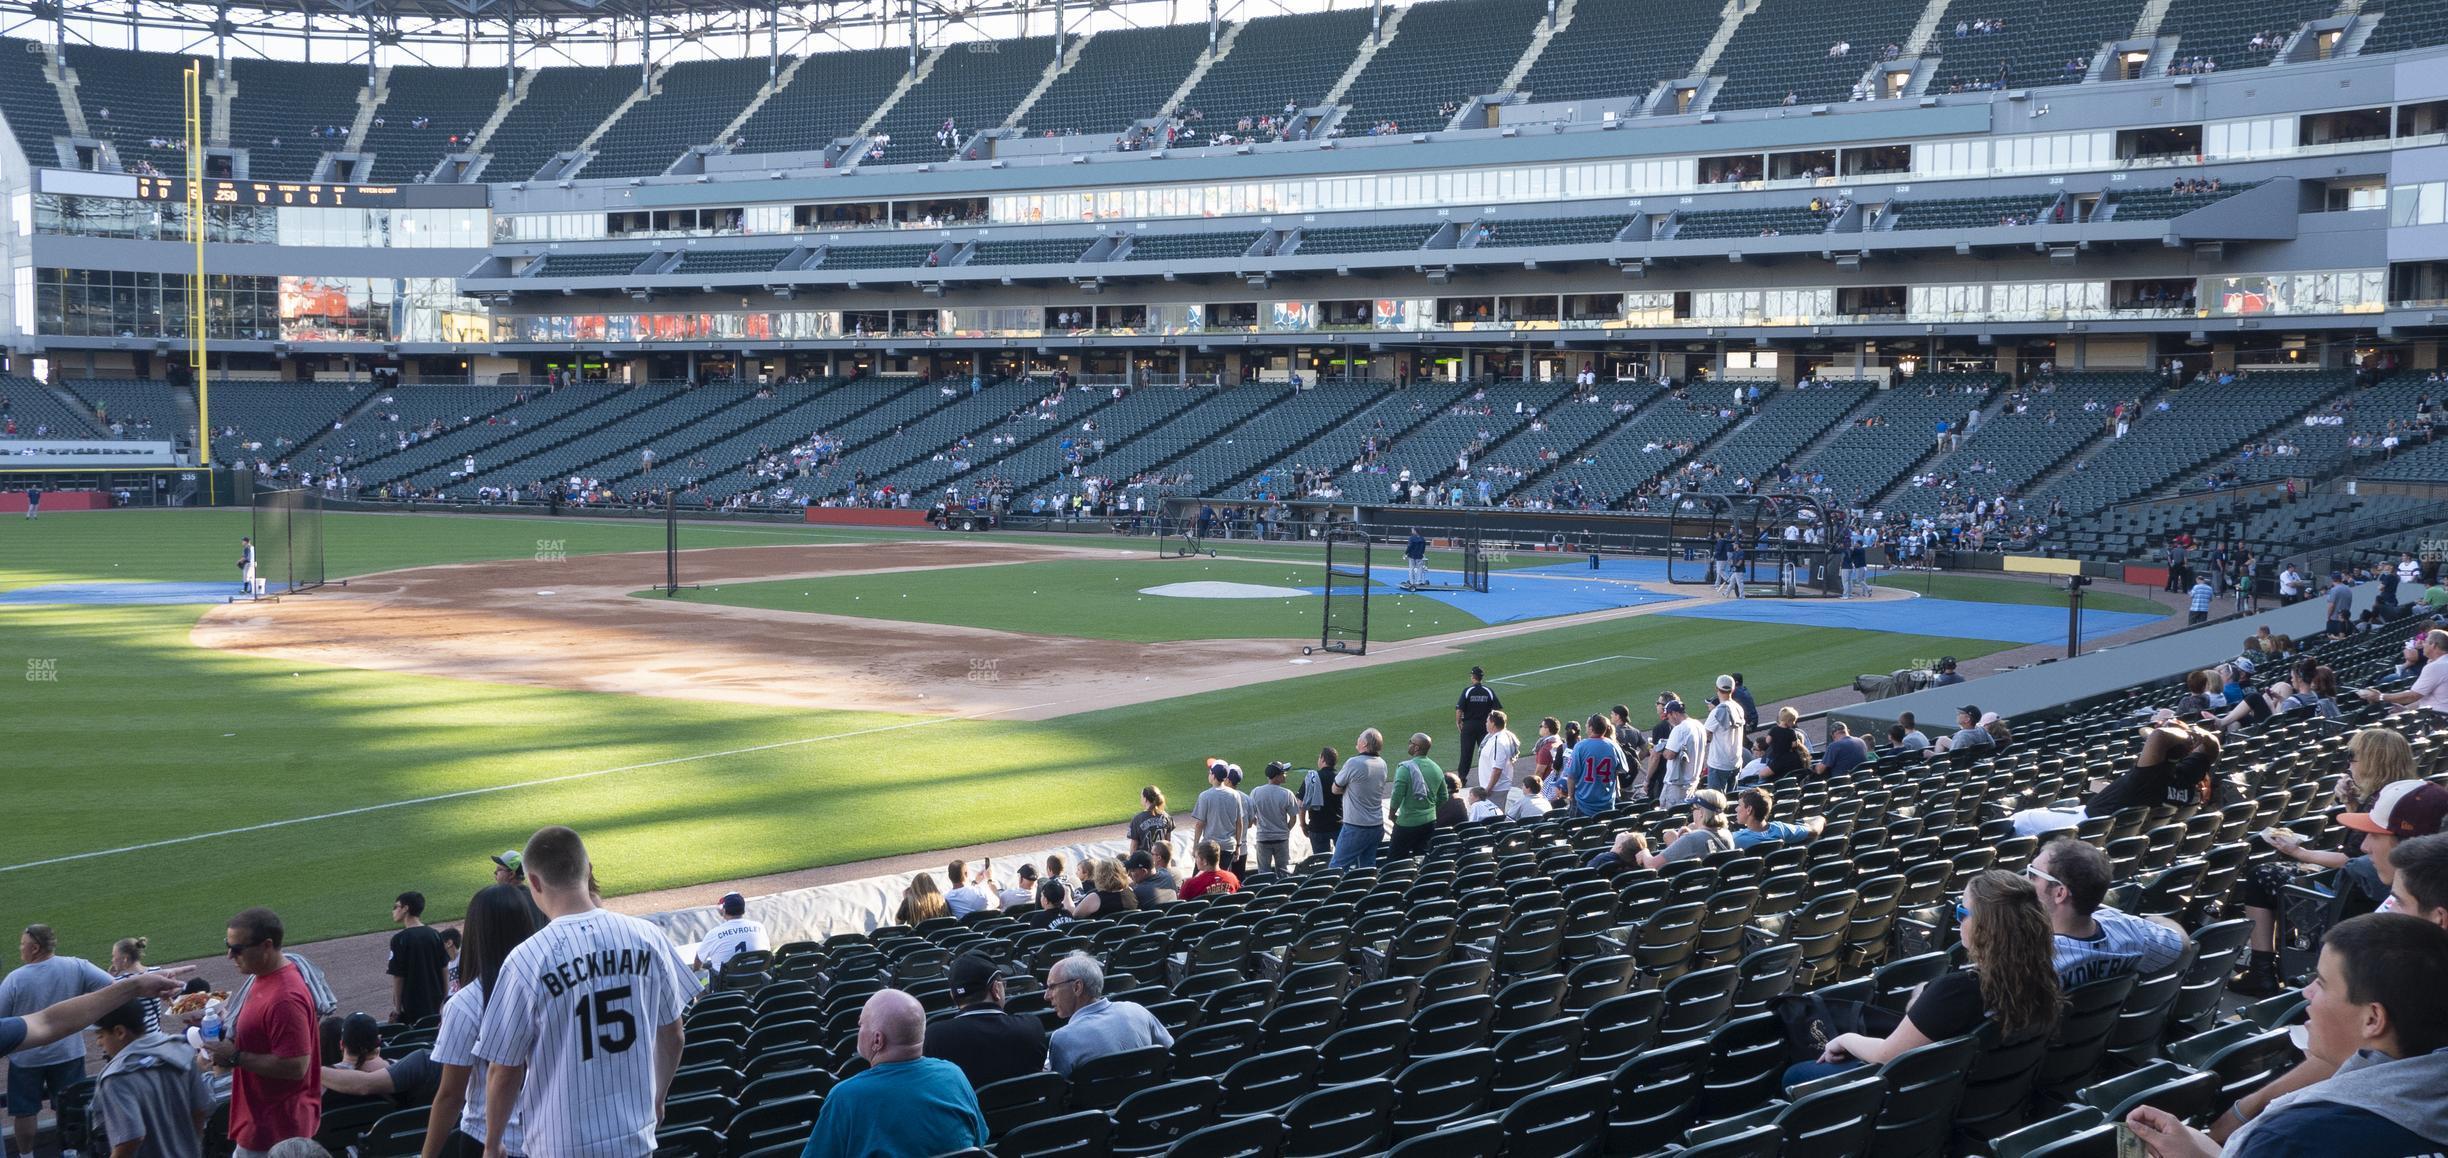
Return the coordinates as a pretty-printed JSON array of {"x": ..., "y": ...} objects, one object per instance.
[
  {"x": 455, "y": 1045},
  {"x": 578, "y": 1004}
]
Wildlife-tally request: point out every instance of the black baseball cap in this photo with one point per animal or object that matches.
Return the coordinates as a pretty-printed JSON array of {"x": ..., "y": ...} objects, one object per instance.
[
  {"x": 1277, "y": 769},
  {"x": 971, "y": 976},
  {"x": 1477, "y": 671},
  {"x": 1972, "y": 710},
  {"x": 1140, "y": 861}
]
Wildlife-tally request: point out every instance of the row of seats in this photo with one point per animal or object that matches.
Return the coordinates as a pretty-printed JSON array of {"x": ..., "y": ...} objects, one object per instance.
[
  {"x": 1361, "y": 239},
  {"x": 1788, "y": 420},
  {"x": 2203, "y": 423},
  {"x": 973, "y": 85},
  {"x": 2033, "y": 49},
  {"x": 1443, "y": 53},
  {"x": 1278, "y": 60},
  {"x": 1551, "y": 231},
  {"x": 131, "y": 99},
  {"x": 32, "y": 405},
  {"x": 731, "y": 260},
  {"x": 1565, "y": 432},
  {"x": 2161, "y": 204},
  {"x": 1121, "y": 76},
  {"x": 2223, "y": 30},
  {"x": 280, "y": 100},
  {"x": 452, "y": 103},
  {"x": 829, "y": 96},
  {"x": 1716, "y": 224},
  {"x": 561, "y": 106},
  {"x": 1612, "y": 50},
  {"x": 2019, "y": 448},
  {"x": 1037, "y": 251},
  {"x": 1965, "y": 213},
  {"x": 694, "y": 101},
  {"x": 1861, "y": 462},
  {"x": 1783, "y": 48},
  {"x": 1190, "y": 246},
  {"x": 30, "y": 101}
]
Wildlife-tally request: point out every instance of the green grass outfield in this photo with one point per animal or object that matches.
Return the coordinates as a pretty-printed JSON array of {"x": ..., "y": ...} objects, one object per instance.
[
  {"x": 211, "y": 781},
  {"x": 1975, "y": 589},
  {"x": 1095, "y": 599}
]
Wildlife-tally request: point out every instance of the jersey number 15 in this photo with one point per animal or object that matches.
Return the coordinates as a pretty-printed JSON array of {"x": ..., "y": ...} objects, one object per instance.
[{"x": 601, "y": 1022}]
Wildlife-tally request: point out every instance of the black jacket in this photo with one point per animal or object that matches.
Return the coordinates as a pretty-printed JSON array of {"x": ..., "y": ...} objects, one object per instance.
[{"x": 988, "y": 1044}]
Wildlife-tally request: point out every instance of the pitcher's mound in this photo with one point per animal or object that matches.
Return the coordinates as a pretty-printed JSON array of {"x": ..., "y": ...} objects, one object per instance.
[{"x": 1208, "y": 589}]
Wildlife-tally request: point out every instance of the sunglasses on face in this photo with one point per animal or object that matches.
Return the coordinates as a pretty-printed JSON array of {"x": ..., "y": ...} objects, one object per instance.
[
  {"x": 235, "y": 950},
  {"x": 1963, "y": 912},
  {"x": 2034, "y": 873}
]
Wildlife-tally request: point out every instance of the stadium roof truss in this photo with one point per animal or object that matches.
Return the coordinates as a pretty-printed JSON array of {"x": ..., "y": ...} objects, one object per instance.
[{"x": 586, "y": 32}]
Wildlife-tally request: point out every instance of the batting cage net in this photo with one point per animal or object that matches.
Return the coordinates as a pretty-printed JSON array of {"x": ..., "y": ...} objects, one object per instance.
[
  {"x": 288, "y": 536},
  {"x": 1343, "y": 620}
]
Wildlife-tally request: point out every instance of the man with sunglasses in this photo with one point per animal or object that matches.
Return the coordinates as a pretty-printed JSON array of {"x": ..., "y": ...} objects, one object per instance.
[
  {"x": 2092, "y": 940},
  {"x": 274, "y": 1050}
]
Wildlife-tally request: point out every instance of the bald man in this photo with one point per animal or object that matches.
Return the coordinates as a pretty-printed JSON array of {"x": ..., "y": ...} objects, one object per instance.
[{"x": 902, "y": 1103}]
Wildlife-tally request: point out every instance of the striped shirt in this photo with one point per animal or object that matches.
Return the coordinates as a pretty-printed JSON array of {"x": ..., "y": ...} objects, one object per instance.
[
  {"x": 455, "y": 1045},
  {"x": 2201, "y": 594},
  {"x": 579, "y": 1005}
]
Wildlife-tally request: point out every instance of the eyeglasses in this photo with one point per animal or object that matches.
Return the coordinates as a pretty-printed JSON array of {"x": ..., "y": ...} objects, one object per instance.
[
  {"x": 2034, "y": 872},
  {"x": 1962, "y": 912},
  {"x": 235, "y": 950}
]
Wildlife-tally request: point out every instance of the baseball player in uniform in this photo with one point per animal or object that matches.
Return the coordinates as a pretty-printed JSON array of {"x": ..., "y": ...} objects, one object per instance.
[
  {"x": 583, "y": 1032},
  {"x": 737, "y": 934},
  {"x": 1415, "y": 554},
  {"x": 246, "y": 564},
  {"x": 1471, "y": 712}
]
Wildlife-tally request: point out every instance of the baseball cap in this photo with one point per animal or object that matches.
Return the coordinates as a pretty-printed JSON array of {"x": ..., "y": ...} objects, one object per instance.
[
  {"x": 1217, "y": 767},
  {"x": 1725, "y": 683},
  {"x": 1946, "y": 663},
  {"x": 1674, "y": 706},
  {"x": 1277, "y": 768},
  {"x": 1972, "y": 710},
  {"x": 734, "y": 904},
  {"x": 1139, "y": 861},
  {"x": 2405, "y": 809},
  {"x": 513, "y": 861},
  {"x": 1477, "y": 671},
  {"x": 971, "y": 976}
]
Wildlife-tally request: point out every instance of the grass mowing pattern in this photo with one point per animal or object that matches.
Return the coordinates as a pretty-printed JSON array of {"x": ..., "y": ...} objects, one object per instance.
[
  {"x": 145, "y": 738},
  {"x": 1093, "y": 600}
]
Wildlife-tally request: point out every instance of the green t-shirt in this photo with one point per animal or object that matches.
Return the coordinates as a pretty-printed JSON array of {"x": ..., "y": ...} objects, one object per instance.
[
  {"x": 1419, "y": 786},
  {"x": 2436, "y": 598}
]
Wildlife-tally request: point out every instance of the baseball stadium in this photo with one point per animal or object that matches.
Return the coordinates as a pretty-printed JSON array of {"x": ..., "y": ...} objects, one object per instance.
[{"x": 1510, "y": 577}]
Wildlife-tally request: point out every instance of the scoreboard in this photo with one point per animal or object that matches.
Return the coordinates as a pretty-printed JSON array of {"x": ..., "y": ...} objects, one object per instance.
[{"x": 272, "y": 193}]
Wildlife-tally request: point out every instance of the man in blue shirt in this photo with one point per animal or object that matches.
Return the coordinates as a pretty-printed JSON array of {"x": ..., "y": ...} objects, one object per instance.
[
  {"x": 1754, "y": 813},
  {"x": 1592, "y": 768},
  {"x": 1094, "y": 1025},
  {"x": 1415, "y": 557},
  {"x": 2092, "y": 940},
  {"x": 1844, "y": 752},
  {"x": 903, "y": 1103},
  {"x": 2378, "y": 1012},
  {"x": 2198, "y": 609}
]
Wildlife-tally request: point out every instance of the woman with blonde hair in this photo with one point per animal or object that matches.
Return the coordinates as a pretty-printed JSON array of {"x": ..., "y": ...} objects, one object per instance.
[
  {"x": 923, "y": 901},
  {"x": 1789, "y": 752},
  {"x": 2375, "y": 759},
  {"x": 127, "y": 960},
  {"x": 2012, "y": 981},
  {"x": 1111, "y": 895}
]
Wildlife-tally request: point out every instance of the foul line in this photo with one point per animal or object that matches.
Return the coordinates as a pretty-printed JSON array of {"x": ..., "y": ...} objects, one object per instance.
[
  {"x": 490, "y": 789},
  {"x": 1519, "y": 676}
]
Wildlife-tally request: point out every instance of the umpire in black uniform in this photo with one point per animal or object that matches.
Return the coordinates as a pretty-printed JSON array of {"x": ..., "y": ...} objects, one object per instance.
[{"x": 1471, "y": 712}]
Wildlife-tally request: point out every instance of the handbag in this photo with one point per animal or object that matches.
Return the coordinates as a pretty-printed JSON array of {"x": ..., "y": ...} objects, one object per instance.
[{"x": 1811, "y": 1021}]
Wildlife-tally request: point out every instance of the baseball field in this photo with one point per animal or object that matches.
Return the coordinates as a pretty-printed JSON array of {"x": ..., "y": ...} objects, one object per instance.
[{"x": 821, "y": 697}]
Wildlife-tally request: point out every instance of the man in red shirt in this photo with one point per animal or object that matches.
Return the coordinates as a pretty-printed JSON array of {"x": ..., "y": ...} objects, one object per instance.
[
  {"x": 1212, "y": 876},
  {"x": 274, "y": 1052}
]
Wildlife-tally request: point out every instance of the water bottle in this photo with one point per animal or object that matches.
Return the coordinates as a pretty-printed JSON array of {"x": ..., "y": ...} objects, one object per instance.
[{"x": 212, "y": 1023}]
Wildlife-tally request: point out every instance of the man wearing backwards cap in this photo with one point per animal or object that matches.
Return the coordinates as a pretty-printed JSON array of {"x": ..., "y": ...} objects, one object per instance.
[
  {"x": 737, "y": 934},
  {"x": 1222, "y": 814},
  {"x": 987, "y": 1044}
]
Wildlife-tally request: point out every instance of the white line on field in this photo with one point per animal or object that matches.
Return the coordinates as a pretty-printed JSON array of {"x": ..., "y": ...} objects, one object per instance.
[
  {"x": 490, "y": 789},
  {"x": 1519, "y": 676}
]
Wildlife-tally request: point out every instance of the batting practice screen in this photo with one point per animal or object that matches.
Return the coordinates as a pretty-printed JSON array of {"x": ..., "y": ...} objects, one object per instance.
[
  {"x": 1343, "y": 622},
  {"x": 288, "y": 536}
]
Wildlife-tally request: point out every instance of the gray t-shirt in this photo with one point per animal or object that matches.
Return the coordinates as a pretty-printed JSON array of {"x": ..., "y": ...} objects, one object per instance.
[
  {"x": 41, "y": 985},
  {"x": 1273, "y": 806},
  {"x": 1695, "y": 844},
  {"x": 2341, "y": 602},
  {"x": 1363, "y": 781},
  {"x": 152, "y": 1092},
  {"x": 1223, "y": 811}
]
